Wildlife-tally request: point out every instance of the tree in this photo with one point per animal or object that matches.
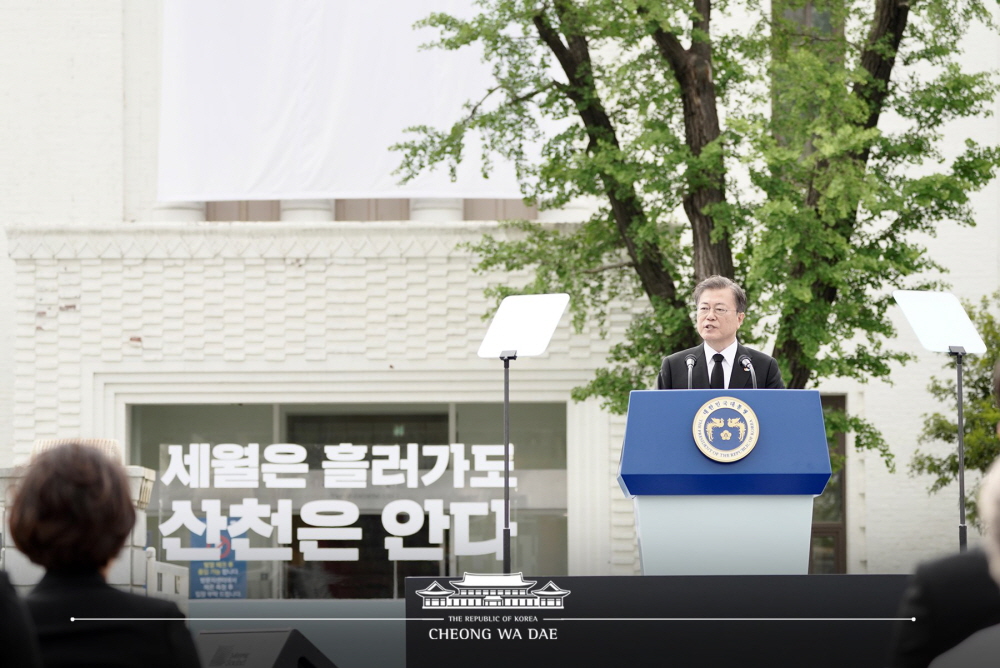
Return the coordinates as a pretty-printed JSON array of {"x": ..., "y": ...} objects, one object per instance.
[
  {"x": 980, "y": 412},
  {"x": 724, "y": 137}
]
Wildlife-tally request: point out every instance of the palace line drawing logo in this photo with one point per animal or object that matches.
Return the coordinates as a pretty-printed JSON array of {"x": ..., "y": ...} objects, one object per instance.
[{"x": 493, "y": 591}]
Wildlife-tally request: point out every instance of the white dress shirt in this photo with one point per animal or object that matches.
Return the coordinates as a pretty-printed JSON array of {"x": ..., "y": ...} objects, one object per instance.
[{"x": 729, "y": 355}]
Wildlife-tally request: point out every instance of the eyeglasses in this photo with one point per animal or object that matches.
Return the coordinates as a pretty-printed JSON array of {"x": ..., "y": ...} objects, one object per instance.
[{"x": 720, "y": 311}]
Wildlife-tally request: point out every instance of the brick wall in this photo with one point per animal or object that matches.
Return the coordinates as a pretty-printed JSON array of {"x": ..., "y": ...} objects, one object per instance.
[{"x": 369, "y": 306}]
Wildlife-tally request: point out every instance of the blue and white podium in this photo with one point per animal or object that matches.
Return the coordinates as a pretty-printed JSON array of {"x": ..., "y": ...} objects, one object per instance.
[{"x": 723, "y": 481}]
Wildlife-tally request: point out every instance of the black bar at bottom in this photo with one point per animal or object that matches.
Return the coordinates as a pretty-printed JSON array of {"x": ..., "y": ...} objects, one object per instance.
[{"x": 743, "y": 621}]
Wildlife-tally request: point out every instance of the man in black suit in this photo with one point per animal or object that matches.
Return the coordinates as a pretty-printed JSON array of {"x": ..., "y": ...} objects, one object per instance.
[
  {"x": 720, "y": 307},
  {"x": 949, "y": 599}
]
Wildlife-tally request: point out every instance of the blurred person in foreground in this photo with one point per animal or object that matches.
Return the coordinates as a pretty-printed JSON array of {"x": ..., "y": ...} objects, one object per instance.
[
  {"x": 72, "y": 514},
  {"x": 17, "y": 635},
  {"x": 982, "y": 648},
  {"x": 956, "y": 596}
]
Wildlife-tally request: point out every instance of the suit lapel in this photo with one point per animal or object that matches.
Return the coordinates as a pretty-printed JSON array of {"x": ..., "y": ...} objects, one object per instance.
[{"x": 699, "y": 380}]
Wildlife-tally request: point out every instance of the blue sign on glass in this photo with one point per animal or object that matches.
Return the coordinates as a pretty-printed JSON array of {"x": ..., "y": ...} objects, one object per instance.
[{"x": 222, "y": 579}]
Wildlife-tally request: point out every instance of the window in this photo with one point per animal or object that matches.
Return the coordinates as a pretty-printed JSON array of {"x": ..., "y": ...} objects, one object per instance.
[
  {"x": 251, "y": 210},
  {"x": 828, "y": 546},
  {"x": 367, "y": 210},
  {"x": 386, "y": 443}
]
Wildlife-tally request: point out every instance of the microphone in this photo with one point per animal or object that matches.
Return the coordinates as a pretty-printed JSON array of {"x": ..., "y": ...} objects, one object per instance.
[
  {"x": 690, "y": 360},
  {"x": 745, "y": 361}
]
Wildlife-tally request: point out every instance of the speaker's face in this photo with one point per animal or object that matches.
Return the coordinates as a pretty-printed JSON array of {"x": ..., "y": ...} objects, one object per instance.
[{"x": 718, "y": 320}]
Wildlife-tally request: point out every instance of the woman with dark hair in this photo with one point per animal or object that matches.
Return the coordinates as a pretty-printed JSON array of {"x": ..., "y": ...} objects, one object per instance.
[{"x": 72, "y": 514}]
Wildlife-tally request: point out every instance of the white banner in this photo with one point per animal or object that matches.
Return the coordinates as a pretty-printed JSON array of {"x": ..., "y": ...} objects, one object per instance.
[{"x": 270, "y": 99}]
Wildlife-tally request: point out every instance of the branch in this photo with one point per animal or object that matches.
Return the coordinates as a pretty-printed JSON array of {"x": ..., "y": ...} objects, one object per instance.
[
  {"x": 879, "y": 56},
  {"x": 667, "y": 43},
  {"x": 626, "y": 205},
  {"x": 703, "y": 23},
  {"x": 607, "y": 267},
  {"x": 553, "y": 40},
  {"x": 473, "y": 111},
  {"x": 670, "y": 47},
  {"x": 482, "y": 100},
  {"x": 775, "y": 26},
  {"x": 692, "y": 69}
]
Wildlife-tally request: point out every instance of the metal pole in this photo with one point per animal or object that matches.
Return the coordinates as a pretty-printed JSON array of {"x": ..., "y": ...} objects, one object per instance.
[
  {"x": 506, "y": 356},
  {"x": 959, "y": 352}
]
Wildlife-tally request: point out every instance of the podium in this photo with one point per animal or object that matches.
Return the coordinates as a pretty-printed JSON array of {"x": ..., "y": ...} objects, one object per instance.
[{"x": 723, "y": 481}]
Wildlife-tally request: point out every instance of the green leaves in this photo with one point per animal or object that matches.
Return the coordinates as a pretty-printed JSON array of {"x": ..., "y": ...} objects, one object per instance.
[
  {"x": 951, "y": 94},
  {"x": 866, "y": 436},
  {"x": 751, "y": 133},
  {"x": 583, "y": 260}
]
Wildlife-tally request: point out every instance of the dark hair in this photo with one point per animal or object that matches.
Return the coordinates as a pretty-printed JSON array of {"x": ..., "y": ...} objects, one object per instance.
[
  {"x": 72, "y": 509},
  {"x": 718, "y": 283}
]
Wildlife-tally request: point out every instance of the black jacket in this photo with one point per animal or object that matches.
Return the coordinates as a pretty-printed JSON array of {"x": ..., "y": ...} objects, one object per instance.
[
  {"x": 951, "y": 598},
  {"x": 17, "y": 635},
  {"x": 163, "y": 641}
]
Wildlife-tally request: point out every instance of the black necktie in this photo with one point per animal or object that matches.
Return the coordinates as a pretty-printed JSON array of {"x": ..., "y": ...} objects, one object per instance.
[{"x": 718, "y": 381}]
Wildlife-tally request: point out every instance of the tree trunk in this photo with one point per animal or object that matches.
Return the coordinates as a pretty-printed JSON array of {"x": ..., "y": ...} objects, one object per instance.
[
  {"x": 888, "y": 27},
  {"x": 692, "y": 68},
  {"x": 626, "y": 206}
]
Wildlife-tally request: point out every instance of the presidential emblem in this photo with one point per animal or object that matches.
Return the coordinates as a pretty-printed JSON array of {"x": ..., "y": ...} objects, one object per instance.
[{"x": 725, "y": 429}]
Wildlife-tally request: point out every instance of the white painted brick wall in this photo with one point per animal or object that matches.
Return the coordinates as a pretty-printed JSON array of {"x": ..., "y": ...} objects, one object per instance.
[
  {"x": 74, "y": 305},
  {"x": 254, "y": 297}
]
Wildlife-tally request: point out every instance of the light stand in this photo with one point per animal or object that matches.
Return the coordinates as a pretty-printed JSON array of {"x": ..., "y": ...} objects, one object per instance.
[
  {"x": 506, "y": 356},
  {"x": 523, "y": 326},
  {"x": 942, "y": 325},
  {"x": 958, "y": 352}
]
